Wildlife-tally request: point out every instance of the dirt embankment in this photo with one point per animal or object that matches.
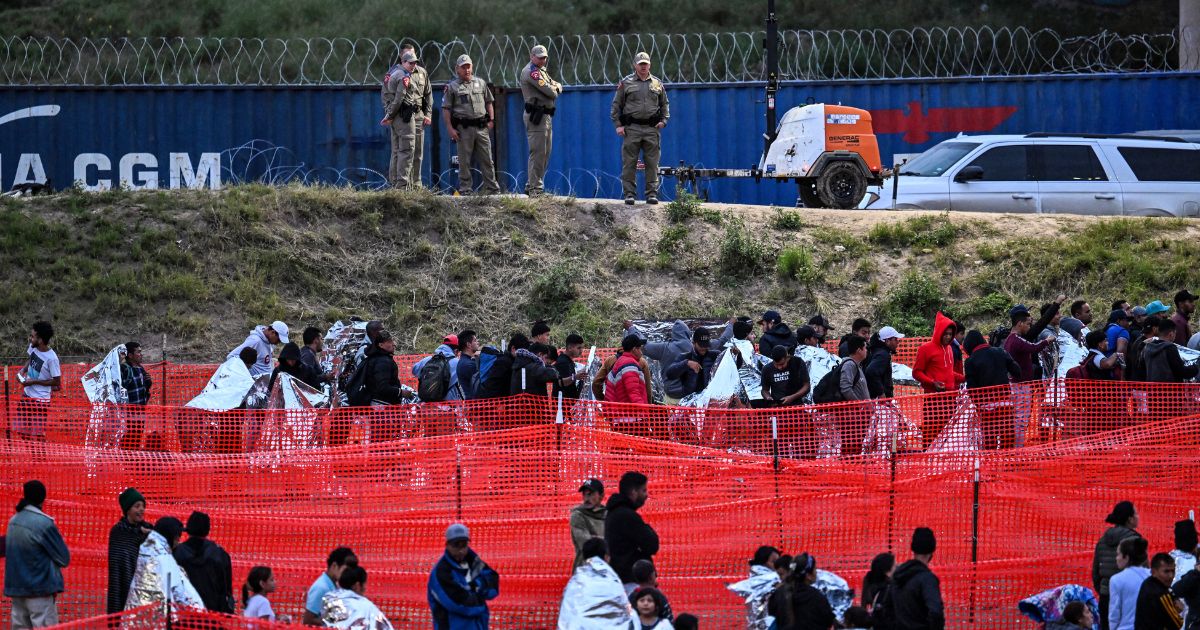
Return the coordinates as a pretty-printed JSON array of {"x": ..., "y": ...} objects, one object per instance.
[{"x": 201, "y": 268}]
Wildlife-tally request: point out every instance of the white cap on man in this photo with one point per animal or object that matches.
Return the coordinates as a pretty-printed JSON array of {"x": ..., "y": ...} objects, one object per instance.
[
  {"x": 887, "y": 332},
  {"x": 282, "y": 329}
]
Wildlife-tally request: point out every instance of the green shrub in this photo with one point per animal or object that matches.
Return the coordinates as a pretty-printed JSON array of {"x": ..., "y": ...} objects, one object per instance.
[
  {"x": 911, "y": 305},
  {"x": 796, "y": 263},
  {"x": 787, "y": 220},
  {"x": 673, "y": 240},
  {"x": 630, "y": 260},
  {"x": 741, "y": 254},
  {"x": 925, "y": 231},
  {"x": 553, "y": 292},
  {"x": 684, "y": 206}
]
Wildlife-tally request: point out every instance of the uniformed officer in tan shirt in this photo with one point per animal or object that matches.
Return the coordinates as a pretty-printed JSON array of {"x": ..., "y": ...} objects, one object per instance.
[
  {"x": 541, "y": 93},
  {"x": 640, "y": 110},
  {"x": 467, "y": 111},
  {"x": 403, "y": 115},
  {"x": 414, "y": 172}
]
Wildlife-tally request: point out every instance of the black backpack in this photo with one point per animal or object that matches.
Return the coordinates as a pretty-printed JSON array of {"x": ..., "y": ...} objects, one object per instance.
[
  {"x": 883, "y": 614},
  {"x": 357, "y": 394},
  {"x": 433, "y": 382},
  {"x": 829, "y": 388}
]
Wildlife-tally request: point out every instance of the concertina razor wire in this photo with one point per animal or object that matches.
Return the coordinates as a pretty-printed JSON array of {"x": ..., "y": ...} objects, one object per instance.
[{"x": 584, "y": 60}]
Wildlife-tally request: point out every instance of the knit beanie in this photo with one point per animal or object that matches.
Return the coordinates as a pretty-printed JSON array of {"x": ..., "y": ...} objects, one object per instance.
[
  {"x": 923, "y": 541},
  {"x": 129, "y": 497}
]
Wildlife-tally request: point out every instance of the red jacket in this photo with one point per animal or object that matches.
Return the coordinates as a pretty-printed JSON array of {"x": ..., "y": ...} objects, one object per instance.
[
  {"x": 935, "y": 362},
  {"x": 625, "y": 383}
]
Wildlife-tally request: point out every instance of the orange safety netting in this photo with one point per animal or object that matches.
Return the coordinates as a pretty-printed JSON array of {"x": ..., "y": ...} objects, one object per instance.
[{"x": 1040, "y": 511}]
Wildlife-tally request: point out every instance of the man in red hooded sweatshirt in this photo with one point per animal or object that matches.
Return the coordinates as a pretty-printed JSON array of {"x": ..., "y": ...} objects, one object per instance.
[{"x": 934, "y": 369}]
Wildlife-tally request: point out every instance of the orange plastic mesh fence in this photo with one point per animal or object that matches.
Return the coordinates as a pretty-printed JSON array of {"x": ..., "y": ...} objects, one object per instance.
[
  {"x": 999, "y": 417},
  {"x": 1041, "y": 509},
  {"x": 175, "y": 383}
]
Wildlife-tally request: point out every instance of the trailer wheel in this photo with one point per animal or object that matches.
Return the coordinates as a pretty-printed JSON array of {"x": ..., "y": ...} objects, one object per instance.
[
  {"x": 808, "y": 194},
  {"x": 841, "y": 185}
]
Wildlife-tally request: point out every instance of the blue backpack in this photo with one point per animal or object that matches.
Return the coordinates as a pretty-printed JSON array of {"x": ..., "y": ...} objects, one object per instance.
[{"x": 487, "y": 358}]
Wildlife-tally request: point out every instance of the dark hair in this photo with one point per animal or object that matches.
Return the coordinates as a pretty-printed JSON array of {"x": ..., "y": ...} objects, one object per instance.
[
  {"x": 34, "y": 493},
  {"x": 254, "y": 580},
  {"x": 518, "y": 341},
  {"x": 684, "y": 621},
  {"x": 779, "y": 353},
  {"x": 762, "y": 554},
  {"x": 803, "y": 564},
  {"x": 131, "y": 347},
  {"x": 465, "y": 338},
  {"x": 1116, "y": 305},
  {"x": 541, "y": 348},
  {"x": 642, "y": 570},
  {"x": 855, "y": 343},
  {"x": 540, "y": 327},
  {"x": 783, "y": 561},
  {"x": 641, "y": 592},
  {"x": 374, "y": 326},
  {"x": 631, "y": 481},
  {"x": 1094, "y": 338},
  {"x": 1166, "y": 326},
  {"x": 860, "y": 323},
  {"x": 1152, "y": 323},
  {"x": 43, "y": 330},
  {"x": 1073, "y": 612},
  {"x": 574, "y": 339},
  {"x": 594, "y": 548},
  {"x": 351, "y": 576},
  {"x": 1077, "y": 307},
  {"x": 858, "y": 617},
  {"x": 311, "y": 334},
  {"x": 248, "y": 355},
  {"x": 340, "y": 556},
  {"x": 742, "y": 329},
  {"x": 1019, "y": 317},
  {"x": 880, "y": 565},
  {"x": 1136, "y": 549},
  {"x": 1161, "y": 560}
]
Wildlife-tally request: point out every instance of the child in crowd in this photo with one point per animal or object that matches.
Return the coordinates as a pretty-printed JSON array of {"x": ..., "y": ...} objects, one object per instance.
[{"x": 260, "y": 583}]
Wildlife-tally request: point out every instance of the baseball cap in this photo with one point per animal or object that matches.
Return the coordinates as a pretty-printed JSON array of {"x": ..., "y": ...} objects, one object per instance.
[
  {"x": 408, "y": 56},
  {"x": 632, "y": 341},
  {"x": 451, "y": 340},
  {"x": 770, "y": 316},
  {"x": 592, "y": 485},
  {"x": 887, "y": 332},
  {"x": 819, "y": 320},
  {"x": 1156, "y": 307},
  {"x": 457, "y": 531},
  {"x": 702, "y": 335},
  {"x": 1184, "y": 296},
  {"x": 463, "y": 60},
  {"x": 1139, "y": 311},
  {"x": 282, "y": 329},
  {"x": 641, "y": 57},
  {"x": 1018, "y": 309},
  {"x": 539, "y": 51},
  {"x": 1117, "y": 315}
]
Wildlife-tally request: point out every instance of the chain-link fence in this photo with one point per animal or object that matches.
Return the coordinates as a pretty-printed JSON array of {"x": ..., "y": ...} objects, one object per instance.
[{"x": 585, "y": 59}]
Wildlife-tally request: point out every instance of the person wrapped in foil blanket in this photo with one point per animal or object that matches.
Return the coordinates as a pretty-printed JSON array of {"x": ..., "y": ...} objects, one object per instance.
[{"x": 594, "y": 599}]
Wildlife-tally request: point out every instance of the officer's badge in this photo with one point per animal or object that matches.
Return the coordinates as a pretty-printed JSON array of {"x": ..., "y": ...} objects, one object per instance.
[{"x": 542, "y": 82}]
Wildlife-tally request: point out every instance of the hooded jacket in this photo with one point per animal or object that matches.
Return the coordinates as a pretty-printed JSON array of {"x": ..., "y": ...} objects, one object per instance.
[
  {"x": 311, "y": 376},
  {"x": 629, "y": 538},
  {"x": 778, "y": 335},
  {"x": 383, "y": 376},
  {"x": 587, "y": 522},
  {"x": 918, "y": 598},
  {"x": 935, "y": 362},
  {"x": 1162, "y": 363},
  {"x": 626, "y": 383},
  {"x": 257, "y": 340},
  {"x": 158, "y": 577},
  {"x": 35, "y": 555},
  {"x": 988, "y": 366},
  {"x": 455, "y": 392},
  {"x": 209, "y": 568},
  {"x": 458, "y": 593},
  {"x": 498, "y": 382},
  {"x": 679, "y": 380},
  {"x": 878, "y": 369},
  {"x": 666, "y": 351},
  {"x": 601, "y": 379},
  {"x": 1104, "y": 561},
  {"x": 800, "y": 607},
  {"x": 1187, "y": 588},
  {"x": 537, "y": 374}
]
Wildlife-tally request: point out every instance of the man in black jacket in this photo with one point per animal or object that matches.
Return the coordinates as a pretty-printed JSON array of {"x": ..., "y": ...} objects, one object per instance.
[
  {"x": 689, "y": 373},
  {"x": 383, "y": 375},
  {"x": 530, "y": 374},
  {"x": 1157, "y": 607},
  {"x": 916, "y": 601},
  {"x": 775, "y": 333},
  {"x": 629, "y": 538},
  {"x": 498, "y": 382},
  {"x": 207, "y": 565},
  {"x": 879, "y": 362},
  {"x": 988, "y": 369}
]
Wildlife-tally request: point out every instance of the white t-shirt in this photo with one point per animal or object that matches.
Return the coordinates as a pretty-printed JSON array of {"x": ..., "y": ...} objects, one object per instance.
[
  {"x": 259, "y": 607},
  {"x": 41, "y": 365}
]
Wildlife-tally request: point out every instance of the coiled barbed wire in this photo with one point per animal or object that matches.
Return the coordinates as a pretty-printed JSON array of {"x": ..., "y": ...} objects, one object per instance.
[{"x": 584, "y": 59}]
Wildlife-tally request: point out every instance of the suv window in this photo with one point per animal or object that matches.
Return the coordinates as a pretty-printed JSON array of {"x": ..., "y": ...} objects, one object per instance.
[
  {"x": 1004, "y": 164},
  {"x": 1068, "y": 163},
  {"x": 1162, "y": 165}
]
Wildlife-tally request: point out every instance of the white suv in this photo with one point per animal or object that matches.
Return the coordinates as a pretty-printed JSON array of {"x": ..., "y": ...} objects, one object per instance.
[{"x": 1051, "y": 173}]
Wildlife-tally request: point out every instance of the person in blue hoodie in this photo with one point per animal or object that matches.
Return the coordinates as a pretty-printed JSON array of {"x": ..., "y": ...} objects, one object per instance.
[
  {"x": 461, "y": 584},
  {"x": 34, "y": 557}
]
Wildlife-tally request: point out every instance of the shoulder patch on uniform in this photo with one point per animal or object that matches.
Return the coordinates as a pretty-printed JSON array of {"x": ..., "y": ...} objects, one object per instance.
[
  {"x": 407, "y": 80},
  {"x": 535, "y": 75}
]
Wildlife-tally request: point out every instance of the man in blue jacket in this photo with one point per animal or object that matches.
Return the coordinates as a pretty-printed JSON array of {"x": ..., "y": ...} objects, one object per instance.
[
  {"x": 34, "y": 557},
  {"x": 461, "y": 584}
]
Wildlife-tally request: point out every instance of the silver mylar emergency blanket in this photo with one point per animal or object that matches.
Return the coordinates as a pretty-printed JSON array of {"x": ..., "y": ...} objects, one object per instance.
[
  {"x": 345, "y": 609},
  {"x": 594, "y": 599},
  {"x": 836, "y": 590},
  {"x": 102, "y": 384},
  {"x": 756, "y": 592},
  {"x": 293, "y": 420},
  {"x": 820, "y": 361},
  {"x": 158, "y": 578},
  {"x": 728, "y": 380},
  {"x": 227, "y": 389},
  {"x": 659, "y": 331}
]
